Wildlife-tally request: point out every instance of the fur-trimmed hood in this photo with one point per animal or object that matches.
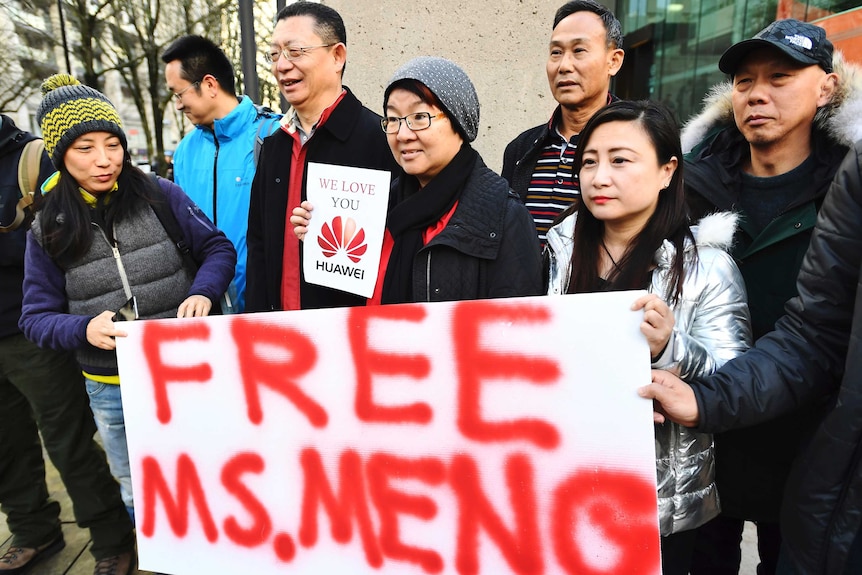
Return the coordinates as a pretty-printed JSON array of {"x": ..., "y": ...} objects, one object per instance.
[
  {"x": 840, "y": 120},
  {"x": 712, "y": 231},
  {"x": 716, "y": 230}
]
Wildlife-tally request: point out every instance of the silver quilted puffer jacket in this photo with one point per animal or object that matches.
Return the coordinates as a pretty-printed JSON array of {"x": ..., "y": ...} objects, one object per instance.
[{"x": 712, "y": 326}]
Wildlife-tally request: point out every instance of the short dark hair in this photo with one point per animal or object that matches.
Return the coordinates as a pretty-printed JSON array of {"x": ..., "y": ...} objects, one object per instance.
[
  {"x": 198, "y": 57},
  {"x": 613, "y": 28},
  {"x": 416, "y": 88},
  {"x": 328, "y": 23}
]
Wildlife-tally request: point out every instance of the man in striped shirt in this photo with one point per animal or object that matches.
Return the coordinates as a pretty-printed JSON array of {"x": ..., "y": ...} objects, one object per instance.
[{"x": 583, "y": 55}]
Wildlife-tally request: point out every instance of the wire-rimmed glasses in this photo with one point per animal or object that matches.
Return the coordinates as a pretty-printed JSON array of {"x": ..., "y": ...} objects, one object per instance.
[
  {"x": 272, "y": 54},
  {"x": 178, "y": 96},
  {"x": 416, "y": 122}
]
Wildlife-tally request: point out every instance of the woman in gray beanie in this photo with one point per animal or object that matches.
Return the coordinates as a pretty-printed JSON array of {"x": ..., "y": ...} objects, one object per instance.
[{"x": 454, "y": 230}]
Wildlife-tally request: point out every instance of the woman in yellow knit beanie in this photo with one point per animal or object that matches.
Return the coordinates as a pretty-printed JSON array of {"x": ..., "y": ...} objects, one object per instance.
[
  {"x": 99, "y": 244},
  {"x": 69, "y": 110}
]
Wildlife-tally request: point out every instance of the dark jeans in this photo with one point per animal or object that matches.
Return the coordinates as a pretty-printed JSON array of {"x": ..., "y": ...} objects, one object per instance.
[
  {"x": 46, "y": 388},
  {"x": 676, "y": 550},
  {"x": 717, "y": 550}
]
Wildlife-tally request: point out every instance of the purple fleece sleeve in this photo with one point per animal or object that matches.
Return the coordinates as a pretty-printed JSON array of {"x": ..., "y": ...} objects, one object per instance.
[{"x": 44, "y": 314}]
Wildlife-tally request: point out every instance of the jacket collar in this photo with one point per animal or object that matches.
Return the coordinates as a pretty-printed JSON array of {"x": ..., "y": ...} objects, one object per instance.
[
  {"x": 713, "y": 168},
  {"x": 344, "y": 116},
  {"x": 552, "y": 127},
  {"x": 715, "y": 230},
  {"x": 235, "y": 123}
]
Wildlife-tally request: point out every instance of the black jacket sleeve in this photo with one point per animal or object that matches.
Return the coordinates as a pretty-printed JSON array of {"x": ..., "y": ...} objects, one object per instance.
[
  {"x": 805, "y": 356},
  {"x": 255, "y": 289},
  {"x": 518, "y": 268}
]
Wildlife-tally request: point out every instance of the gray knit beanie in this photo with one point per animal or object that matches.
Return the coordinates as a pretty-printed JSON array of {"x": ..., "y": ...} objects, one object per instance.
[
  {"x": 70, "y": 109},
  {"x": 451, "y": 86}
]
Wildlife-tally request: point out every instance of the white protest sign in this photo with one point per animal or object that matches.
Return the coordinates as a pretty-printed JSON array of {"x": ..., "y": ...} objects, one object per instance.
[
  {"x": 489, "y": 437},
  {"x": 342, "y": 247}
]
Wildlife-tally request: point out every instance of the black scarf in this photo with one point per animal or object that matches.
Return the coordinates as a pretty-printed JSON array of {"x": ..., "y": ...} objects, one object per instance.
[{"x": 415, "y": 209}]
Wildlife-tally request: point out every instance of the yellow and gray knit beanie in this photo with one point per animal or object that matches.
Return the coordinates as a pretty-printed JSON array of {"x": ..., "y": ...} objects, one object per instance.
[{"x": 70, "y": 109}]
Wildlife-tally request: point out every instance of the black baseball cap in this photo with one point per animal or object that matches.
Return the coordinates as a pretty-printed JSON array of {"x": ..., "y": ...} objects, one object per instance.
[{"x": 803, "y": 42}]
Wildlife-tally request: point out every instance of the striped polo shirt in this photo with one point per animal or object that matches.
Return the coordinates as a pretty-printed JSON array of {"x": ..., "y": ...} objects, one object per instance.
[{"x": 554, "y": 184}]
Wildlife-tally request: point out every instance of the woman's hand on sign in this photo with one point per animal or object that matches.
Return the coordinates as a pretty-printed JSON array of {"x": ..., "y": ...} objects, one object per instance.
[
  {"x": 300, "y": 218},
  {"x": 101, "y": 331},
  {"x": 657, "y": 324},
  {"x": 195, "y": 306}
]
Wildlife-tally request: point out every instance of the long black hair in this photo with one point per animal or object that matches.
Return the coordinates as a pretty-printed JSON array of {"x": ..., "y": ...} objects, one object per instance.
[
  {"x": 669, "y": 221},
  {"x": 66, "y": 219}
]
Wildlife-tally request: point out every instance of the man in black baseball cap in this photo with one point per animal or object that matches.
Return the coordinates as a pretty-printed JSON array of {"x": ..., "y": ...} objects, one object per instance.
[
  {"x": 767, "y": 147},
  {"x": 802, "y": 42}
]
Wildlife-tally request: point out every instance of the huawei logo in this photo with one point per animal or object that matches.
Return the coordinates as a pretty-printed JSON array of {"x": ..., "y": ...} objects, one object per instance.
[{"x": 337, "y": 236}]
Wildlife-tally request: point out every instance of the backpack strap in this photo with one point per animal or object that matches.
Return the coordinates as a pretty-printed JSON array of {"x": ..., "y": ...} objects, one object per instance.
[
  {"x": 172, "y": 227},
  {"x": 264, "y": 129},
  {"x": 169, "y": 222},
  {"x": 28, "y": 168},
  {"x": 28, "y": 178}
]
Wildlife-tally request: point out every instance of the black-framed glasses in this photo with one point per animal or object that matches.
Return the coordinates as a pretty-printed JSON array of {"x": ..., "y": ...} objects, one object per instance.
[
  {"x": 272, "y": 54},
  {"x": 178, "y": 96},
  {"x": 416, "y": 122}
]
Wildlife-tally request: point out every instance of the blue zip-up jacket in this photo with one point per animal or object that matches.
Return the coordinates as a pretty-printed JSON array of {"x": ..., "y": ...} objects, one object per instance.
[{"x": 215, "y": 167}]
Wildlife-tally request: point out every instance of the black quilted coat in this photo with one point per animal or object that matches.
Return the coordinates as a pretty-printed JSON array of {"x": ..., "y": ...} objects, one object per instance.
[
  {"x": 488, "y": 249},
  {"x": 814, "y": 352}
]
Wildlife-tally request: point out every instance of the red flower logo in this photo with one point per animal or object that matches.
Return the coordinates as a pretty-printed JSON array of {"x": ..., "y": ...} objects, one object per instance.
[{"x": 335, "y": 237}]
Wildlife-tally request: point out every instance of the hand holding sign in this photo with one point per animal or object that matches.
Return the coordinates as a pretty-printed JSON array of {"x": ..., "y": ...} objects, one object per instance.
[
  {"x": 658, "y": 322},
  {"x": 301, "y": 218},
  {"x": 674, "y": 399}
]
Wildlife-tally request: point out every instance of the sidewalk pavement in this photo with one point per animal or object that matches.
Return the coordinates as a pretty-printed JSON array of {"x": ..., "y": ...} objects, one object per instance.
[{"x": 75, "y": 558}]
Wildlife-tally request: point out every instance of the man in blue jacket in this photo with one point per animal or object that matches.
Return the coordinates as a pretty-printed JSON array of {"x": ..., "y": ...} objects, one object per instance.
[{"x": 215, "y": 163}]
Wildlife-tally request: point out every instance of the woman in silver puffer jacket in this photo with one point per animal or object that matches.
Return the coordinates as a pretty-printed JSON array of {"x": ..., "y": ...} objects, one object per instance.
[{"x": 630, "y": 231}]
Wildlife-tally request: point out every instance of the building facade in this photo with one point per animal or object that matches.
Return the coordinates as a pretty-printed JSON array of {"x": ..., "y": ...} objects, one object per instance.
[
  {"x": 673, "y": 46},
  {"x": 672, "y": 49}
]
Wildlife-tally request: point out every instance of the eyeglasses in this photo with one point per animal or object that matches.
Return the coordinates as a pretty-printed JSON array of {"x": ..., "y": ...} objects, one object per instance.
[
  {"x": 416, "y": 122},
  {"x": 178, "y": 96},
  {"x": 272, "y": 55}
]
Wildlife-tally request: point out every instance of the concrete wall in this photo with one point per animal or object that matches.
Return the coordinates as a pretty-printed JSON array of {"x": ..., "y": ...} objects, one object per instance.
[{"x": 502, "y": 46}]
